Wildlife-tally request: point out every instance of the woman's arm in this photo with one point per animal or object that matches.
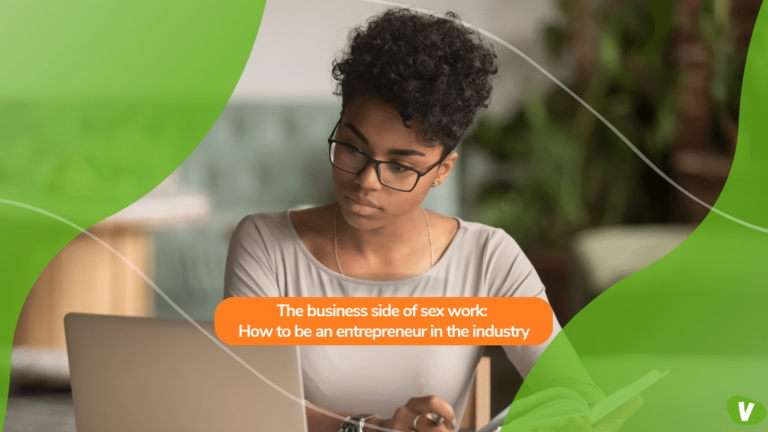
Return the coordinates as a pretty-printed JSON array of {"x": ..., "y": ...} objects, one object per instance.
[
  {"x": 249, "y": 271},
  {"x": 417, "y": 409},
  {"x": 509, "y": 273},
  {"x": 560, "y": 367},
  {"x": 319, "y": 421}
]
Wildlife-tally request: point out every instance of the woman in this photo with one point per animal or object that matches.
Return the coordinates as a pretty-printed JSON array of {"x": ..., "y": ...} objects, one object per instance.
[{"x": 410, "y": 86}]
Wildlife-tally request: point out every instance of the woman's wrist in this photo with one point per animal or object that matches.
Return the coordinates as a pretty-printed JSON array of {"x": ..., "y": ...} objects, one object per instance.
[{"x": 375, "y": 421}]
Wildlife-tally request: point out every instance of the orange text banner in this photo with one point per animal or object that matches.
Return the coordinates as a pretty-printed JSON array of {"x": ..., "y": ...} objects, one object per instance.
[{"x": 384, "y": 321}]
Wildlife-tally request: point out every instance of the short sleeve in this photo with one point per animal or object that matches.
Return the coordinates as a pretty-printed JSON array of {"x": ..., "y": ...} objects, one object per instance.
[
  {"x": 509, "y": 273},
  {"x": 250, "y": 269}
]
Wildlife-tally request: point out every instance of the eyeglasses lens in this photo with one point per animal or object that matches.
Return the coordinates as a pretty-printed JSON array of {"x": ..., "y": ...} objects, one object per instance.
[{"x": 392, "y": 175}]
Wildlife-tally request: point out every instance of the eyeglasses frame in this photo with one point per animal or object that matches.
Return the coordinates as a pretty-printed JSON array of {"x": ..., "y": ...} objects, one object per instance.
[{"x": 376, "y": 163}]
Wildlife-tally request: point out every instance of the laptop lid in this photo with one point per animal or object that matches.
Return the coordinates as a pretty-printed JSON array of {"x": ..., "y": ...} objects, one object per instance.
[{"x": 131, "y": 374}]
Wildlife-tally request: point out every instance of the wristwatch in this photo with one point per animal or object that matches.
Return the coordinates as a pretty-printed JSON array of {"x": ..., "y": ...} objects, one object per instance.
[{"x": 354, "y": 423}]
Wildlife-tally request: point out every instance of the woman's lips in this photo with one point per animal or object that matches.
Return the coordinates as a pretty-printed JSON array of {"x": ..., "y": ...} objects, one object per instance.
[{"x": 361, "y": 209}]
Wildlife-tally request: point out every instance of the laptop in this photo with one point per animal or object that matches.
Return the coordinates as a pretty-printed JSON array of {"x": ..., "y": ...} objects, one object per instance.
[{"x": 149, "y": 374}]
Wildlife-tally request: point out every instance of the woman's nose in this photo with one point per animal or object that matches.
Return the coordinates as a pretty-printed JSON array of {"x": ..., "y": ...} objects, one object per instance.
[{"x": 367, "y": 178}]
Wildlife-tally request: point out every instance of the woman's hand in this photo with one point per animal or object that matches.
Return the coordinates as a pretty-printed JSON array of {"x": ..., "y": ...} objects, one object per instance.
[
  {"x": 610, "y": 423},
  {"x": 420, "y": 409}
]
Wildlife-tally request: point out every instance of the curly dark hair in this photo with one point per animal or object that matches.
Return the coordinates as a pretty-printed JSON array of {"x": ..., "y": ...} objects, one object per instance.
[{"x": 436, "y": 72}]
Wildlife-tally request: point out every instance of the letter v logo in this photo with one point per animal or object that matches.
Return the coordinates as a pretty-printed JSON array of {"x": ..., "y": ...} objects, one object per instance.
[
  {"x": 745, "y": 411},
  {"x": 745, "y": 414}
]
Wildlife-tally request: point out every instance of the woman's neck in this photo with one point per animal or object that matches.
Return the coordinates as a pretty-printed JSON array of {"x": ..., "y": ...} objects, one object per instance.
[{"x": 387, "y": 242}]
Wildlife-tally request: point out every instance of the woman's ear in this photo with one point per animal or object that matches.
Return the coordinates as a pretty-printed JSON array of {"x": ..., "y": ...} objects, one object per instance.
[{"x": 445, "y": 168}]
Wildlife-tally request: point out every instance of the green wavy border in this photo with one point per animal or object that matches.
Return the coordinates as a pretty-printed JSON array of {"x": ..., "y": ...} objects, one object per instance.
[{"x": 100, "y": 102}]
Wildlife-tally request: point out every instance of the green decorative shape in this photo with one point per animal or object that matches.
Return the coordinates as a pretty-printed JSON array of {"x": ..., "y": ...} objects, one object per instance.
[
  {"x": 699, "y": 312},
  {"x": 100, "y": 102},
  {"x": 745, "y": 411}
]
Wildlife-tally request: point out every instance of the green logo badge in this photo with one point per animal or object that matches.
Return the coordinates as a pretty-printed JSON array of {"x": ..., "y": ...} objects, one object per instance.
[{"x": 745, "y": 411}]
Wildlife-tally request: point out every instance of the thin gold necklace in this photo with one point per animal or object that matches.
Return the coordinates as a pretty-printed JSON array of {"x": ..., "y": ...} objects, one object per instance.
[{"x": 336, "y": 248}]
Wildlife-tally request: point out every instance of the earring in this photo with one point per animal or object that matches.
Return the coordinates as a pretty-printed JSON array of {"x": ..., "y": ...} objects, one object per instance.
[{"x": 434, "y": 184}]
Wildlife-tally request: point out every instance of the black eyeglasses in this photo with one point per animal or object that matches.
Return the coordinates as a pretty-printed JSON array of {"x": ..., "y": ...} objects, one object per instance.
[{"x": 394, "y": 176}]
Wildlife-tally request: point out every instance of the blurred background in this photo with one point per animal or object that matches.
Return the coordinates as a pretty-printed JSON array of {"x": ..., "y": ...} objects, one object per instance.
[{"x": 585, "y": 209}]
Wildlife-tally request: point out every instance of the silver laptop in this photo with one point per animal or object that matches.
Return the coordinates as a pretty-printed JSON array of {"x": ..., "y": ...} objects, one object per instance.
[{"x": 149, "y": 374}]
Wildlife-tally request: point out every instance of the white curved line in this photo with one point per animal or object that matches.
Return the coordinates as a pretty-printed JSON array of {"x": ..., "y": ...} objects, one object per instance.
[{"x": 597, "y": 114}]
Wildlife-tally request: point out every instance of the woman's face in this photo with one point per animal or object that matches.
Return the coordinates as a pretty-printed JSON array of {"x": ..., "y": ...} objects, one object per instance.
[{"x": 376, "y": 128}]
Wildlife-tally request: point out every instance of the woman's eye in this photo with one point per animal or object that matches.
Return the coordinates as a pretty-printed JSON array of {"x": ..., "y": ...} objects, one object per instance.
[
  {"x": 352, "y": 149},
  {"x": 397, "y": 168}
]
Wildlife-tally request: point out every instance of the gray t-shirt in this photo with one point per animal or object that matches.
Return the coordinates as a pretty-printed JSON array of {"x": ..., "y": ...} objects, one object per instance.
[{"x": 267, "y": 258}]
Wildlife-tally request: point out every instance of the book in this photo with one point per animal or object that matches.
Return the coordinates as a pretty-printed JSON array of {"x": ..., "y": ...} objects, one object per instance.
[{"x": 553, "y": 407}]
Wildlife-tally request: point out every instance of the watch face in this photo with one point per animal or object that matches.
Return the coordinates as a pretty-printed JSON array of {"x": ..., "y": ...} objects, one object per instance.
[{"x": 348, "y": 427}]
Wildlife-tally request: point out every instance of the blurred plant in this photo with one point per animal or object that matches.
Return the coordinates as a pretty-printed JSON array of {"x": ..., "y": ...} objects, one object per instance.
[
  {"x": 728, "y": 60},
  {"x": 556, "y": 169}
]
